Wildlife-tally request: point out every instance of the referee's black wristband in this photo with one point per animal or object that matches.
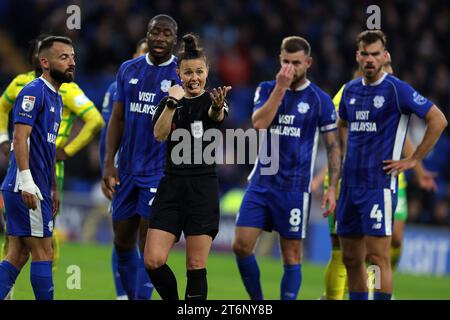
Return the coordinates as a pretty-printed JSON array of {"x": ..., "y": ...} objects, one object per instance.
[{"x": 171, "y": 102}]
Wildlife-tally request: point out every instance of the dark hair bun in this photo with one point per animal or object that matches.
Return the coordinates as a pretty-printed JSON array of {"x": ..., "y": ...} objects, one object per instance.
[{"x": 190, "y": 42}]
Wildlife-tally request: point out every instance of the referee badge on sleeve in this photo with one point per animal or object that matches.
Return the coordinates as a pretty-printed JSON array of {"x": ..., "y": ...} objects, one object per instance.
[
  {"x": 28, "y": 103},
  {"x": 197, "y": 129}
]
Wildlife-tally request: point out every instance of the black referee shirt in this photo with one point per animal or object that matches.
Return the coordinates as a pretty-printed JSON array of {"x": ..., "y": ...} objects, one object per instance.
[{"x": 192, "y": 116}]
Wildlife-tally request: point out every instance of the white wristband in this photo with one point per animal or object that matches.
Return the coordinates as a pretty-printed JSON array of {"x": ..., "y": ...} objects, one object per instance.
[
  {"x": 3, "y": 137},
  {"x": 26, "y": 181}
]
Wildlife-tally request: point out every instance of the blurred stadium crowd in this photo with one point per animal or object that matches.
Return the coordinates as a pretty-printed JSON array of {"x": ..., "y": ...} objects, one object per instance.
[{"x": 242, "y": 39}]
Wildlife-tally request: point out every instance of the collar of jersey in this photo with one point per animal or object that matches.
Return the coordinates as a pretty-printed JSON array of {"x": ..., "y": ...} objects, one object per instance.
[
  {"x": 303, "y": 86},
  {"x": 195, "y": 96},
  {"x": 161, "y": 64},
  {"x": 48, "y": 84},
  {"x": 376, "y": 82}
]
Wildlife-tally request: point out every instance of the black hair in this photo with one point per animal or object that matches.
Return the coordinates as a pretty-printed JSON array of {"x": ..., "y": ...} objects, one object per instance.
[
  {"x": 371, "y": 36},
  {"x": 294, "y": 44},
  {"x": 47, "y": 42},
  {"x": 190, "y": 49},
  {"x": 164, "y": 17}
]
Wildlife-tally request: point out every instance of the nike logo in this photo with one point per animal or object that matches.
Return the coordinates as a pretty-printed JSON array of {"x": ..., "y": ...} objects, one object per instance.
[{"x": 194, "y": 296}]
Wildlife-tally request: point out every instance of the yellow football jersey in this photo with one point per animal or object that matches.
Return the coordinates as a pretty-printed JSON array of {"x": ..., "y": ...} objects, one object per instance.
[{"x": 75, "y": 104}]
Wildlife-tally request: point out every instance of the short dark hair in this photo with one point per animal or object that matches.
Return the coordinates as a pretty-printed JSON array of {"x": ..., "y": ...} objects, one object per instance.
[
  {"x": 164, "y": 17},
  {"x": 190, "y": 49},
  {"x": 294, "y": 44},
  {"x": 47, "y": 42},
  {"x": 371, "y": 36},
  {"x": 140, "y": 42}
]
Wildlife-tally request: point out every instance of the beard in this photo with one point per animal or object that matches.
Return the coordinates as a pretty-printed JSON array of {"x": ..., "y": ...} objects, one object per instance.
[
  {"x": 297, "y": 79},
  {"x": 370, "y": 73},
  {"x": 60, "y": 76}
]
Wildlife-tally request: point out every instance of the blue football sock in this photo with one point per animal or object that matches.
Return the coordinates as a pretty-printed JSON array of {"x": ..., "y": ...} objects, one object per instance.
[
  {"x": 127, "y": 263},
  {"x": 358, "y": 295},
  {"x": 381, "y": 296},
  {"x": 144, "y": 286},
  {"x": 120, "y": 291},
  {"x": 41, "y": 277},
  {"x": 248, "y": 267},
  {"x": 8, "y": 275},
  {"x": 291, "y": 282}
]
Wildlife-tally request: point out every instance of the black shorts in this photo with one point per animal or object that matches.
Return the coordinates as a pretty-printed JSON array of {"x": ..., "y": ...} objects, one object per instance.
[{"x": 188, "y": 204}]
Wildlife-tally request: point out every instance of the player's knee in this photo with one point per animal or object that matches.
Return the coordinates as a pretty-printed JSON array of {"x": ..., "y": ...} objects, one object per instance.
[
  {"x": 378, "y": 259},
  {"x": 291, "y": 257},
  {"x": 193, "y": 263},
  {"x": 42, "y": 254},
  {"x": 351, "y": 261},
  {"x": 153, "y": 261},
  {"x": 241, "y": 249},
  {"x": 23, "y": 258}
]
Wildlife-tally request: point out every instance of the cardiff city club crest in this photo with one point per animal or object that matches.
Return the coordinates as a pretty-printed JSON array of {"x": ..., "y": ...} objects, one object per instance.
[
  {"x": 303, "y": 107},
  {"x": 378, "y": 101},
  {"x": 165, "y": 85}
]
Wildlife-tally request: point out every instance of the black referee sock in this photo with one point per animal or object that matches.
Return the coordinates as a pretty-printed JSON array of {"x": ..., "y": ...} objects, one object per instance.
[
  {"x": 197, "y": 285},
  {"x": 164, "y": 282}
]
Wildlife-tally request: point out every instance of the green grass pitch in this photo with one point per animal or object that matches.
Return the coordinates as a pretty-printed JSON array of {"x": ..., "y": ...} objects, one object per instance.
[{"x": 223, "y": 277}]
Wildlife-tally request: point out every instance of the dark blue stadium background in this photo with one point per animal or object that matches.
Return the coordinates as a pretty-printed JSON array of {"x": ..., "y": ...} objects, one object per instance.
[{"x": 242, "y": 39}]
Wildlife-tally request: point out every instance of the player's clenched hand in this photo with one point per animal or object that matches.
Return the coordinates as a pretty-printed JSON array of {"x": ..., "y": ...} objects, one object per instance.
[
  {"x": 285, "y": 76},
  {"x": 111, "y": 177},
  {"x": 55, "y": 203},
  {"x": 329, "y": 201},
  {"x": 397, "y": 166},
  {"x": 176, "y": 91},
  {"x": 218, "y": 96}
]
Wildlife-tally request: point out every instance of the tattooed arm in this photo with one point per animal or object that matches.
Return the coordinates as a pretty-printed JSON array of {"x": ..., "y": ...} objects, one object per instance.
[{"x": 334, "y": 170}]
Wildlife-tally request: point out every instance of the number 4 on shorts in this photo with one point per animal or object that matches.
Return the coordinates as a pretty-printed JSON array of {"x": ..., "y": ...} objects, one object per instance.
[{"x": 376, "y": 213}]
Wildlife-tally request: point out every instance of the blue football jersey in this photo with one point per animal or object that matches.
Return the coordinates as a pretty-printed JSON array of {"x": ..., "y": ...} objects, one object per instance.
[
  {"x": 302, "y": 114},
  {"x": 377, "y": 116},
  {"x": 40, "y": 106},
  {"x": 106, "y": 114},
  {"x": 140, "y": 87}
]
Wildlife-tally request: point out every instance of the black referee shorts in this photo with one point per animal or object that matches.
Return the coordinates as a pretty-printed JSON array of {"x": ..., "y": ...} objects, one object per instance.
[{"x": 188, "y": 204}]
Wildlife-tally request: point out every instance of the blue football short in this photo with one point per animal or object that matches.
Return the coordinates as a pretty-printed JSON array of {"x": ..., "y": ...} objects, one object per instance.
[
  {"x": 133, "y": 196},
  {"x": 286, "y": 212},
  {"x": 24, "y": 222},
  {"x": 364, "y": 211}
]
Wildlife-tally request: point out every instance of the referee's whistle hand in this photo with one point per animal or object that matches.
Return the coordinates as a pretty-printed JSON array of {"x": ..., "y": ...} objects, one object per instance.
[{"x": 176, "y": 91}]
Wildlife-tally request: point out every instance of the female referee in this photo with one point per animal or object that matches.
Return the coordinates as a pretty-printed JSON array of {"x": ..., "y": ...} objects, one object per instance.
[{"x": 187, "y": 199}]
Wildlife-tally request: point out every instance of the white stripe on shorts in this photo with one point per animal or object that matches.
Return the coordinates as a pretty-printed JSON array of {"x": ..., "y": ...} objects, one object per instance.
[
  {"x": 305, "y": 213},
  {"x": 36, "y": 221},
  {"x": 387, "y": 212}
]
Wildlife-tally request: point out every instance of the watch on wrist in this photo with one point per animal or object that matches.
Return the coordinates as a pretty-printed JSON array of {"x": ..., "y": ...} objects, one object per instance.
[{"x": 171, "y": 103}]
